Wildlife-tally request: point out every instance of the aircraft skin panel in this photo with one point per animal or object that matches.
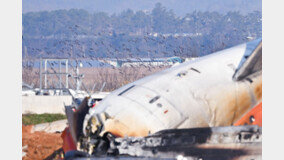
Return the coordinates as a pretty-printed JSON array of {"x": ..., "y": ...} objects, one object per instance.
[
  {"x": 156, "y": 105},
  {"x": 236, "y": 52},
  {"x": 131, "y": 114},
  {"x": 134, "y": 122},
  {"x": 197, "y": 93}
]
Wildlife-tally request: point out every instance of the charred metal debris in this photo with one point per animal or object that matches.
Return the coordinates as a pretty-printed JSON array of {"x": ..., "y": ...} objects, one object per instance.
[{"x": 224, "y": 143}]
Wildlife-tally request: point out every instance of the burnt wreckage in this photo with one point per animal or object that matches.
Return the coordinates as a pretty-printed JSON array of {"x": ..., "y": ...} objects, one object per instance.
[{"x": 196, "y": 110}]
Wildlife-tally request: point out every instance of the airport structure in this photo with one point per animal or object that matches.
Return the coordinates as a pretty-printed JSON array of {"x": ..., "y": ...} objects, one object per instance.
[
  {"x": 53, "y": 99},
  {"x": 135, "y": 62}
]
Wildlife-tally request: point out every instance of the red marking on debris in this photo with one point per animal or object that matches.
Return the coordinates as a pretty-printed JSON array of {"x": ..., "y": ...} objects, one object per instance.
[
  {"x": 68, "y": 143},
  {"x": 255, "y": 113},
  {"x": 166, "y": 111}
]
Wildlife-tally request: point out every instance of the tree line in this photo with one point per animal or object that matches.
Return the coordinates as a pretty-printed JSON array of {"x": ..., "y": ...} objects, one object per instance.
[{"x": 156, "y": 33}]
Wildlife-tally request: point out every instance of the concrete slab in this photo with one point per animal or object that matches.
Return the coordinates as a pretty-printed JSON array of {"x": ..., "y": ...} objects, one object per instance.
[{"x": 57, "y": 126}]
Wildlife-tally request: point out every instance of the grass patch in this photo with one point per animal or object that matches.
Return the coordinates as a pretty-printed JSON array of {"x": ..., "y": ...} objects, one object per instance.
[{"x": 32, "y": 119}]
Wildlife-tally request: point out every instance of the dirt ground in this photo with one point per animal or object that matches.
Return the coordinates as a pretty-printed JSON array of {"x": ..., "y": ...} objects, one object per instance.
[{"x": 40, "y": 145}]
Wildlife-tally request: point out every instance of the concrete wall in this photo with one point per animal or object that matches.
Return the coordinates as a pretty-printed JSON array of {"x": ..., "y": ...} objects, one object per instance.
[{"x": 45, "y": 104}]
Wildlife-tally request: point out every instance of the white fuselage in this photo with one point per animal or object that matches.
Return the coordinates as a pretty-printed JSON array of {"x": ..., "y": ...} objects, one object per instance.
[{"x": 197, "y": 93}]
